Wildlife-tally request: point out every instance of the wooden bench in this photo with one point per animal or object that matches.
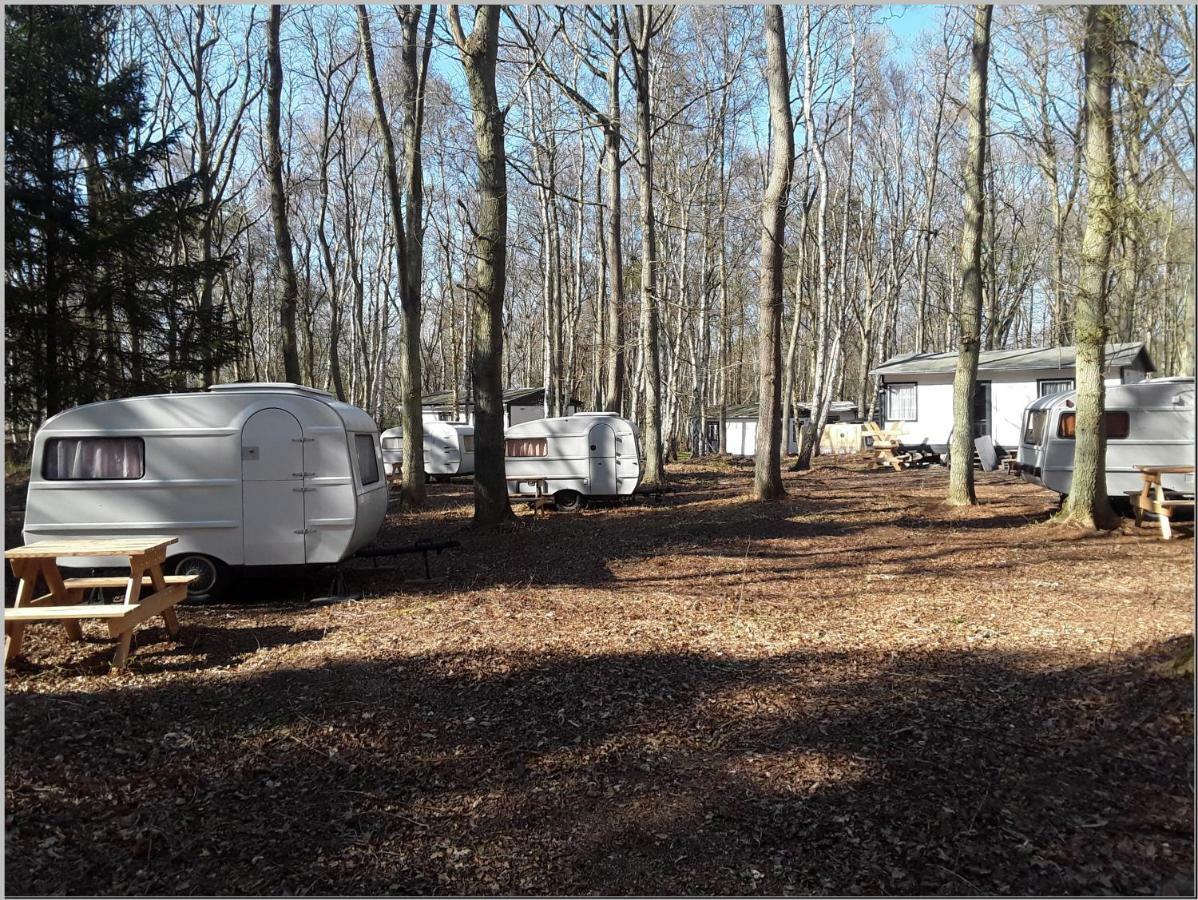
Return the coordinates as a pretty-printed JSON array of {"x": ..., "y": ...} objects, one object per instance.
[
  {"x": 61, "y": 604},
  {"x": 1152, "y": 500}
]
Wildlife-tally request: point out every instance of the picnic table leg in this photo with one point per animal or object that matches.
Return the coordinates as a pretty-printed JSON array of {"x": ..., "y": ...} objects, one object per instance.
[
  {"x": 1164, "y": 512},
  {"x": 168, "y": 614},
  {"x": 54, "y": 582},
  {"x": 121, "y": 657},
  {"x": 26, "y": 571}
]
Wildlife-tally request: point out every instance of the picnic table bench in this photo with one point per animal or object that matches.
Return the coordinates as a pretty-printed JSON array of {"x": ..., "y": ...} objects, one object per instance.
[
  {"x": 64, "y": 603},
  {"x": 1151, "y": 498},
  {"x": 539, "y": 501}
]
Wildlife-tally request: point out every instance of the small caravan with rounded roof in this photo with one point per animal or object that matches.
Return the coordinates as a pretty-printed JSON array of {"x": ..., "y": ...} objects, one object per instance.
[
  {"x": 1149, "y": 423},
  {"x": 448, "y": 449},
  {"x": 587, "y": 455},
  {"x": 270, "y": 474}
]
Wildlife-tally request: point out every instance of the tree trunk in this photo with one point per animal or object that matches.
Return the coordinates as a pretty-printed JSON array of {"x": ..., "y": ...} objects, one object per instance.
[
  {"x": 767, "y": 475},
  {"x": 960, "y": 479},
  {"x": 1087, "y": 504},
  {"x": 478, "y": 53},
  {"x": 412, "y": 494},
  {"x": 278, "y": 203}
]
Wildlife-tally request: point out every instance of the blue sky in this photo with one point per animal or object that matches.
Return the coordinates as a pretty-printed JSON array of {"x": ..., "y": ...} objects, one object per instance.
[{"x": 907, "y": 22}]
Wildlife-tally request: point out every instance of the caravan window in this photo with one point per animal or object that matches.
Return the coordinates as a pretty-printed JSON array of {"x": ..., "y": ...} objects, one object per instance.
[
  {"x": 467, "y": 443},
  {"x": 368, "y": 464},
  {"x": 1118, "y": 425},
  {"x": 526, "y": 447},
  {"x": 94, "y": 459},
  {"x": 392, "y": 443},
  {"x": 1048, "y": 386},
  {"x": 901, "y": 403}
]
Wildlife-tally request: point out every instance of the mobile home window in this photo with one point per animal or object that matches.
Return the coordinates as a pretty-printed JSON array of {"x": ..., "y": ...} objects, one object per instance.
[
  {"x": 1054, "y": 386},
  {"x": 526, "y": 447},
  {"x": 94, "y": 459},
  {"x": 1118, "y": 425},
  {"x": 368, "y": 464},
  {"x": 900, "y": 402}
]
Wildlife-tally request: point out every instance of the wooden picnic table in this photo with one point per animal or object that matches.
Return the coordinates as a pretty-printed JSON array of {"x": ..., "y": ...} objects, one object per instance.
[
  {"x": 1151, "y": 498},
  {"x": 539, "y": 501},
  {"x": 64, "y": 603}
]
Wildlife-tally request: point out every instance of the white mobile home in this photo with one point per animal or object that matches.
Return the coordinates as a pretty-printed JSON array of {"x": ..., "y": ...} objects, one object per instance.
[
  {"x": 243, "y": 474},
  {"x": 1150, "y": 423},
  {"x": 448, "y": 448},
  {"x": 522, "y": 404},
  {"x": 579, "y": 456},
  {"x": 741, "y": 427},
  {"x": 917, "y": 389}
]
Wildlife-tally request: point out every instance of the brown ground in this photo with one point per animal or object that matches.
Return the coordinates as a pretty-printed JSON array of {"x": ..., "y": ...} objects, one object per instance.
[{"x": 853, "y": 690}]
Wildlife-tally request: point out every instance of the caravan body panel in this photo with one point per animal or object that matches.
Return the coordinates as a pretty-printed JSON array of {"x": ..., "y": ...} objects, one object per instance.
[
  {"x": 595, "y": 454},
  {"x": 1160, "y": 432},
  {"x": 448, "y": 448},
  {"x": 201, "y": 479}
]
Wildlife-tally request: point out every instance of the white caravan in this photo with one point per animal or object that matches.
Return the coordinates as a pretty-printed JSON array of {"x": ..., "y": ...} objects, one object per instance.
[
  {"x": 584, "y": 455},
  {"x": 448, "y": 449},
  {"x": 242, "y": 474},
  {"x": 1149, "y": 423}
]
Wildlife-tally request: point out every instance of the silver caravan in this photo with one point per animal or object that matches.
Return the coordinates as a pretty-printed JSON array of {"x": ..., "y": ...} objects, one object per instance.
[
  {"x": 575, "y": 457},
  {"x": 448, "y": 449},
  {"x": 243, "y": 474},
  {"x": 1149, "y": 423}
]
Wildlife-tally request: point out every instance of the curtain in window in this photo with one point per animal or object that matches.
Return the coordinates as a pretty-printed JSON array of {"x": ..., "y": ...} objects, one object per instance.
[
  {"x": 527, "y": 447},
  {"x": 1055, "y": 387},
  {"x": 83, "y": 459},
  {"x": 900, "y": 402}
]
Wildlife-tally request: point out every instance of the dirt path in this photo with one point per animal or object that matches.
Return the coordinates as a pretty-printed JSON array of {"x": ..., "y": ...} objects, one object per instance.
[{"x": 853, "y": 690}]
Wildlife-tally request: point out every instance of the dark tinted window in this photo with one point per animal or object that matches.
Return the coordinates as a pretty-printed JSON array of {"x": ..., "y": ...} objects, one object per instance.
[{"x": 368, "y": 464}]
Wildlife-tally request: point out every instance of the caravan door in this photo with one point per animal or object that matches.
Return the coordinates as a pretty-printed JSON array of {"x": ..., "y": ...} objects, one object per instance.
[
  {"x": 272, "y": 490},
  {"x": 602, "y": 441}
]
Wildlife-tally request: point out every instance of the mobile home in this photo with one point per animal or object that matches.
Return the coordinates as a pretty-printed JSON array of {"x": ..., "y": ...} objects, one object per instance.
[
  {"x": 740, "y": 429},
  {"x": 520, "y": 404},
  {"x": 1147, "y": 424},
  {"x": 586, "y": 455},
  {"x": 917, "y": 389},
  {"x": 242, "y": 474},
  {"x": 448, "y": 449}
]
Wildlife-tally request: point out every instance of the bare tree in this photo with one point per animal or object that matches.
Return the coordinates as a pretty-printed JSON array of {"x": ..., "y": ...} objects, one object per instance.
[
  {"x": 767, "y": 478},
  {"x": 478, "y": 53},
  {"x": 960, "y": 482},
  {"x": 278, "y": 202},
  {"x": 1087, "y": 504}
]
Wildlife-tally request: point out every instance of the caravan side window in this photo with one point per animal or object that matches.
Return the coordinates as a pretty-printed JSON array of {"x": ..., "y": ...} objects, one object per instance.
[
  {"x": 901, "y": 404},
  {"x": 94, "y": 459},
  {"x": 467, "y": 443},
  {"x": 368, "y": 464},
  {"x": 1118, "y": 425},
  {"x": 518, "y": 447}
]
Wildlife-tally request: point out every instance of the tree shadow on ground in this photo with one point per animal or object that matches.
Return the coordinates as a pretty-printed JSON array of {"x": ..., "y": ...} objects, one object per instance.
[{"x": 644, "y": 773}]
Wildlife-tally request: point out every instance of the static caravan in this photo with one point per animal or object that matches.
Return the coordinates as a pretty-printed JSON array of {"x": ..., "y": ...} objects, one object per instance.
[
  {"x": 448, "y": 449},
  {"x": 242, "y": 474},
  {"x": 740, "y": 431},
  {"x": 1148, "y": 424},
  {"x": 521, "y": 404},
  {"x": 917, "y": 390},
  {"x": 594, "y": 455}
]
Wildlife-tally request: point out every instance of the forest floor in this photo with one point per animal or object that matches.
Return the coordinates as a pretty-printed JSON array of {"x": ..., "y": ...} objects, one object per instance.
[{"x": 856, "y": 689}]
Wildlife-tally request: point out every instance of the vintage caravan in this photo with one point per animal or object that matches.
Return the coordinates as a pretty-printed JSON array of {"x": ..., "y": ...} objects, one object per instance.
[
  {"x": 448, "y": 449},
  {"x": 1149, "y": 423},
  {"x": 242, "y": 474},
  {"x": 586, "y": 455}
]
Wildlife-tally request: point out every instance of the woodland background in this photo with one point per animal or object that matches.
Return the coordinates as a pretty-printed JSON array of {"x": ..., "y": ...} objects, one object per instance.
[{"x": 140, "y": 254}]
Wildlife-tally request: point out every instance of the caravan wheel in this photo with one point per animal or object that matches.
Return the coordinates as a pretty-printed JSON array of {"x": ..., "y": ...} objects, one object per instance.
[
  {"x": 568, "y": 501},
  {"x": 214, "y": 576}
]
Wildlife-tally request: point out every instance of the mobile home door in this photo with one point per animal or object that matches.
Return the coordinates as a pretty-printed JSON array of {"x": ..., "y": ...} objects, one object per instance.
[
  {"x": 272, "y": 474},
  {"x": 602, "y": 440}
]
